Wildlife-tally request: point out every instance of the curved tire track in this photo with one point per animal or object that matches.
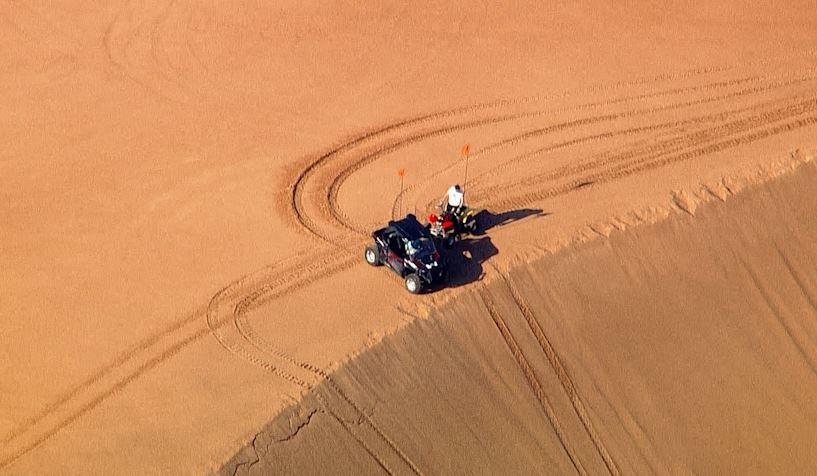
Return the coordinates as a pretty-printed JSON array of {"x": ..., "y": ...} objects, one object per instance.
[
  {"x": 611, "y": 117},
  {"x": 159, "y": 347},
  {"x": 230, "y": 305}
]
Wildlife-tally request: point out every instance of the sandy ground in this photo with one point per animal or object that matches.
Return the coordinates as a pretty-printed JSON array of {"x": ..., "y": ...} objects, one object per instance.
[
  {"x": 596, "y": 359},
  {"x": 187, "y": 186}
]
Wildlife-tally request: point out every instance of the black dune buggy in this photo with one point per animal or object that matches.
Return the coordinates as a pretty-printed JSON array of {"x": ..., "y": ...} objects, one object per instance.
[{"x": 406, "y": 247}]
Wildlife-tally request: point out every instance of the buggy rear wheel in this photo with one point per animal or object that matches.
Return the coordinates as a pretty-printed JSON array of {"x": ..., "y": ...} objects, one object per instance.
[{"x": 370, "y": 255}]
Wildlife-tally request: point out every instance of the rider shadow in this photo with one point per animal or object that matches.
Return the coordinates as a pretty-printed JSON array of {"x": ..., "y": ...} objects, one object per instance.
[{"x": 487, "y": 220}]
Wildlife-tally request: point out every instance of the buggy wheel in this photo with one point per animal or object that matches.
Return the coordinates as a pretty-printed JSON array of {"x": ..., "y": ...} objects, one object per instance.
[
  {"x": 414, "y": 284},
  {"x": 370, "y": 255}
]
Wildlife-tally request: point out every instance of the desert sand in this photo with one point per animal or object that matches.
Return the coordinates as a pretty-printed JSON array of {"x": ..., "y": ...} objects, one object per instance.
[{"x": 187, "y": 188}]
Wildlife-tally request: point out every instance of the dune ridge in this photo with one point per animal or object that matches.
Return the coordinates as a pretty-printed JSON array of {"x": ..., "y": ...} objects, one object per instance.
[
  {"x": 593, "y": 359},
  {"x": 187, "y": 187}
]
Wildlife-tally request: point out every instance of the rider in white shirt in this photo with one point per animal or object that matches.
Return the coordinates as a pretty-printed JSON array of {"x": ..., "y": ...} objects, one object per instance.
[{"x": 456, "y": 199}]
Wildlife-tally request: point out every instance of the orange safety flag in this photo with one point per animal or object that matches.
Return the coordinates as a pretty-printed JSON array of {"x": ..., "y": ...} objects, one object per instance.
[
  {"x": 401, "y": 172},
  {"x": 465, "y": 150}
]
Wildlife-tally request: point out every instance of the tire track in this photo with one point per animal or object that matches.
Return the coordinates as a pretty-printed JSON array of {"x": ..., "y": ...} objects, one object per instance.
[
  {"x": 233, "y": 345},
  {"x": 216, "y": 320},
  {"x": 339, "y": 219},
  {"x": 156, "y": 349},
  {"x": 96, "y": 377},
  {"x": 230, "y": 305},
  {"x": 530, "y": 377},
  {"x": 590, "y": 120},
  {"x": 245, "y": 329},
  {"x": 674, "y": 143},
  {"x": 127, "y": 29},
  {"x": 536, "y": 133},
  {"x": 627, "y": 170},
  {"x": 297, "y": 189},
  {"x": 663, "y": 153},
  {"x": 159, "y": 347},
  {"x": 30, "y": 436},
  {"x": 560, "y": 371},
  {"x": 118, "y": 59}
]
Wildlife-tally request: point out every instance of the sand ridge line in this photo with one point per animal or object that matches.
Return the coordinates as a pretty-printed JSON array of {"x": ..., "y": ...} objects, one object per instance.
[
  {"x": 526, "y": 199},
  {"x": 302, "y": 276},
  {"x": 267, "y": 291},
  {"x": 236, "y": 348},
  {"x": 271, "y": 290},
  {"x": 295, "y": 275},
  {"x": 338, "y": 218},
  {"x": 244, "y": 327},
  {"x": 603, "y": 161},
  {"x": 530, "y": 377},
  {"x": 245, "y": 344}
]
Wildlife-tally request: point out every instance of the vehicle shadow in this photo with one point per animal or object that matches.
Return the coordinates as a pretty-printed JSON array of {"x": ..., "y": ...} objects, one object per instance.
[
  {"x": 466, "y": 258},
  {"x": 486, "y": 220}
]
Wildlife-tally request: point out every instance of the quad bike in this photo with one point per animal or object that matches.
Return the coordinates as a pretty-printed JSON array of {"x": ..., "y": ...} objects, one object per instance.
[{"x": 449, "y": 227}]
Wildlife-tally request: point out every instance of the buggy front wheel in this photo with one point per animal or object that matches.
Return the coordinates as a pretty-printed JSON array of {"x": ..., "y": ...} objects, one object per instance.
[{"x": 414, "y": 284}]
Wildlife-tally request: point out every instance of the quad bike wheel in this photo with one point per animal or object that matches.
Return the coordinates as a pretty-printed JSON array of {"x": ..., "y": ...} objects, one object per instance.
[
  {"x": 414, "y": 284},
  {"x": 471, "y": 226},
  {"x": 370, "y": 255}
]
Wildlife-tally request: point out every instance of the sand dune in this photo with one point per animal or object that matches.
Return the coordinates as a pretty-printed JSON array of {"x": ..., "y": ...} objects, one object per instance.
[
  {"x": 187, "y": 188},
  {"x": 683, "y": 346}
]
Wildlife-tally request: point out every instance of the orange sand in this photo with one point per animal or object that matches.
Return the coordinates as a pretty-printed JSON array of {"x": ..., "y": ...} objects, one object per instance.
[{"x": 187, "y": 188}]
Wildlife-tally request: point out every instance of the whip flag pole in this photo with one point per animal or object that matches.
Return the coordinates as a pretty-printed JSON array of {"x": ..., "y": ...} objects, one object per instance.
[
  {"x": 465, "y": 153},
  {"x": 401, "y": 173}
]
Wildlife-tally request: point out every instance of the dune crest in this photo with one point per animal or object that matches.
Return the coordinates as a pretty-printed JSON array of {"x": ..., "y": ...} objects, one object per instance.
[
  {"x": 187, "y": 188},
  {"x": 683, "y": 345}
]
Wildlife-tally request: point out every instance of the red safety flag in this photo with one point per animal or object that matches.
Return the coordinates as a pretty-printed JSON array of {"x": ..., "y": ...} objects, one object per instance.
[
  {"x": 401, "y": 172},
  {"x": 465, "y": 150}
]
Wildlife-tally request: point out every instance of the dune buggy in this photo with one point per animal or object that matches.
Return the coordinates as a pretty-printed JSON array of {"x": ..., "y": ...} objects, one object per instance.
[{"x": 406, "y": 247}]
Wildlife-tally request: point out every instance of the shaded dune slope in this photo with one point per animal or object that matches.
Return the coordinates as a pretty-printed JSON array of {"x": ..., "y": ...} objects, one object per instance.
[{"x": 689, "y": 345}]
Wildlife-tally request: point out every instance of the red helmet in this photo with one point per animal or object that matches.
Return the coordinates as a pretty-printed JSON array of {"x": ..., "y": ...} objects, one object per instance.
[{"x": 432, "y": 218}]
